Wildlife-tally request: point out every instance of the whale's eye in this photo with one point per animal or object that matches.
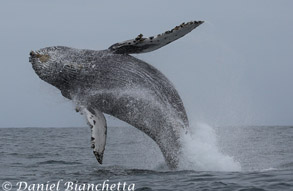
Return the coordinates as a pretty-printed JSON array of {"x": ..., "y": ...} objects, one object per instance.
[{"x": 43, "y": 57}]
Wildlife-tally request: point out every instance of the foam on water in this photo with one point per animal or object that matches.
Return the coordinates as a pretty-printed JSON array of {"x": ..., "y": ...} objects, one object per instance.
[{"x": 202, "y": 153}]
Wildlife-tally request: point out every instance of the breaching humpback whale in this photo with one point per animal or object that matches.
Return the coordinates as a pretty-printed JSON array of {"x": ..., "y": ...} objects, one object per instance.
[{"x": 113, "y": 82}]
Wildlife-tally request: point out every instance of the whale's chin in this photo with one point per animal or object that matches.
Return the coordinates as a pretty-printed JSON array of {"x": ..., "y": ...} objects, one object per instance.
[{"x": 43, "y": 66}]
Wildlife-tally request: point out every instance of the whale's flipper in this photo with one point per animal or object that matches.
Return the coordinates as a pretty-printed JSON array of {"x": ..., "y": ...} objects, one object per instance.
[
  {"x": 142, "y": 45},
  {"x": 98, "y": 125}
]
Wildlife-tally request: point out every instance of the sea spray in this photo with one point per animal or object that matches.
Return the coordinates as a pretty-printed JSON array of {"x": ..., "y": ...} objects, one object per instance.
[{"x": 200, "y": 151}]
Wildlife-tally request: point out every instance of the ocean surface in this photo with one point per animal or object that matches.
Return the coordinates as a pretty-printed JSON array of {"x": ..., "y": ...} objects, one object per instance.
[{"x": 214, "y": 158}]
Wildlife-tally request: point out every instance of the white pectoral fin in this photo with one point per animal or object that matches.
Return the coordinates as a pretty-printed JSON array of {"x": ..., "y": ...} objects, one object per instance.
[
  {"x": 142, "y": 45},
  {"x": 98, "y": 125}
]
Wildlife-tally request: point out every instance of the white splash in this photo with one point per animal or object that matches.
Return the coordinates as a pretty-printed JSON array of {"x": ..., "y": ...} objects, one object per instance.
[{"x": 202, "y": 153}]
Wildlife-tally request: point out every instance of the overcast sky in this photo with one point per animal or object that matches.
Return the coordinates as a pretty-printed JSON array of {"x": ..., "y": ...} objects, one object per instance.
[{"x": 235, "y": 69}]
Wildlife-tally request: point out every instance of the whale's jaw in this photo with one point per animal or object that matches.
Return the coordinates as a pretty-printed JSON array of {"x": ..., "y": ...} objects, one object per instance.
[
  {"x": 42, "y": 66},
  {"x": 37, "y": 65}
]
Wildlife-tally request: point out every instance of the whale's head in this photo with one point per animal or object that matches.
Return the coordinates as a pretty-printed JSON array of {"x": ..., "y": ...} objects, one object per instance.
[{"x": 51, "y": 64}]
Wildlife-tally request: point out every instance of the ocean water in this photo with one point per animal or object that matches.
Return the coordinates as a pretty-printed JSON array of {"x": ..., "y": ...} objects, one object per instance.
[{"x": 214, "y": 158}]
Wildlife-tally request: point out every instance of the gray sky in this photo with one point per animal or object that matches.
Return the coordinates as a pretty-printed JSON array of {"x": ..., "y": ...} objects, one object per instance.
[{"x": 235, "y": 69}]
